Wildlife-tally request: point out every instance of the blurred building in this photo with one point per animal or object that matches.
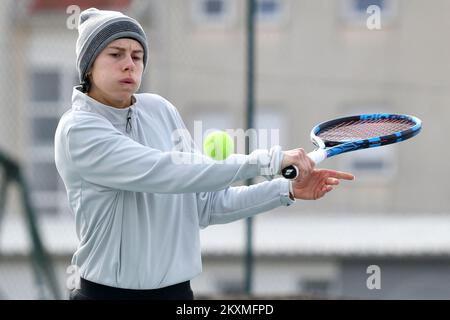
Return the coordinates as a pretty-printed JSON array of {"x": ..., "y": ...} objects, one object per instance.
[{"x": 316, "y": 60}]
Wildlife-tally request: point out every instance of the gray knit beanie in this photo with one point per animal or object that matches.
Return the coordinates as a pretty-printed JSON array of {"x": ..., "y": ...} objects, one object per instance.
[{"x": 97, "y": 29}]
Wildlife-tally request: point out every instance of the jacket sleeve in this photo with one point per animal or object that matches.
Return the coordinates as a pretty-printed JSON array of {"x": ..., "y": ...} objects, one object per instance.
[
  {"x": 102, "y": 155},
  {"x": 235, "y": 203}
]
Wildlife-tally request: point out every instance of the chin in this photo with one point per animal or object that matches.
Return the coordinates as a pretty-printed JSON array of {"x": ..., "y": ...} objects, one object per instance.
[{"x": 124, "y": 94}]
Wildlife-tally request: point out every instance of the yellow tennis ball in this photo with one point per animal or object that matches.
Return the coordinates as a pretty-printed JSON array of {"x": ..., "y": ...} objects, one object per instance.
[{"x": 218, "y": 145}]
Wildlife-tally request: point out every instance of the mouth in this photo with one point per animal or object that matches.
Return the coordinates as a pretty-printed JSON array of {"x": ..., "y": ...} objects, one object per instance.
[{"x": 127, "y": 81}]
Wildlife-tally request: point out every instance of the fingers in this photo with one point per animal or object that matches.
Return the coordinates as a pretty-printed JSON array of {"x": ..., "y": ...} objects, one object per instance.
[
  {"x": 332, "y": 182},
  {"x": 339, "y": 175},
  {"x": 319, "y": 183},
  {"x": 325, "y": 189},
  {"x": 345, "y": 176}
]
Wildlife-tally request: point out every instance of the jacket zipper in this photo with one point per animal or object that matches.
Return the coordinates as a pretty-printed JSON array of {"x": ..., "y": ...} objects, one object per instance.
[{"x": 129, "y": 122}]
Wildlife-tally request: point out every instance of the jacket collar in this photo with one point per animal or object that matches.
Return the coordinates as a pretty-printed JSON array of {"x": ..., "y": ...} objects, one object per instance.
[{"x": 82, "y": 102}]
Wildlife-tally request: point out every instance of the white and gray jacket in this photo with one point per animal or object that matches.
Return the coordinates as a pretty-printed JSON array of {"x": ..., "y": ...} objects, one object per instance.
[{"x": 138, "y": 208}]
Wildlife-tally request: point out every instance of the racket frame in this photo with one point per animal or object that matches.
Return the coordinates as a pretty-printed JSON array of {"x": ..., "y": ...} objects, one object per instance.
[
  {"x": 328, "y": 149},
  {"x": 334, "y": 148}
]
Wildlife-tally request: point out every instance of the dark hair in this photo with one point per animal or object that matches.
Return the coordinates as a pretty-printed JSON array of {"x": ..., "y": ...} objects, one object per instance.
[{"x": 86, "y": 84}]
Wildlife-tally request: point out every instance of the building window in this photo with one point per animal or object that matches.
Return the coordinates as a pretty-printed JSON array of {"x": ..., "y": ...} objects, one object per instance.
[
  {"x": 316, "y": 287},
  {"x": 372, "y": 164},
  {"x": 45, "y": 86},
  {"x": 214, "y": 12},
  {"x": 230, "y": 287},
  {"x": 268, "y": 9},
  {"x": 213, "y": 7},
  {"x": 49, "y": 88},
  {"x": 362, "y": 5},
  {"x": 44, "y": 176},
  {"x": 43, "y": 131}
]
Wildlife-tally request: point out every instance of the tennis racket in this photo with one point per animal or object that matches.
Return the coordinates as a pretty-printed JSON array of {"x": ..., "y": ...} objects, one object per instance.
[{"x": 355, "y": 133}]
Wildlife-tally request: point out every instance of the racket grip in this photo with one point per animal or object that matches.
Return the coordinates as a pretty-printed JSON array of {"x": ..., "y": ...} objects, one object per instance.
[{"x": 292, "y": 171}]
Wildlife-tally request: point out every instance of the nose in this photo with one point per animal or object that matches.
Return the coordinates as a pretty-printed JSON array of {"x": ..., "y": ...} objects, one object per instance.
[{"x": 129, "y": 64}]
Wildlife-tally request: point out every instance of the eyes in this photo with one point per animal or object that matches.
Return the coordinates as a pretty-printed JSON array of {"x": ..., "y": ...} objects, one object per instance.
[{"x": 118, "y": 55}]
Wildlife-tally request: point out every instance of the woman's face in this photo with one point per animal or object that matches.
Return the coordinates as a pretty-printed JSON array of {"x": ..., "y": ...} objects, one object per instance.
[{"x": 116, "y": 73}]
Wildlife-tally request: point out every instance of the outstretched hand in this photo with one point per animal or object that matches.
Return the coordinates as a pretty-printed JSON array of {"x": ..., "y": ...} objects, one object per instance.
[{"x": 318, "y": 183}]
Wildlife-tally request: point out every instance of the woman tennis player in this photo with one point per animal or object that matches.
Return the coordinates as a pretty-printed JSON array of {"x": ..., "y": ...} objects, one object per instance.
[{"x": 138, "y": 213}]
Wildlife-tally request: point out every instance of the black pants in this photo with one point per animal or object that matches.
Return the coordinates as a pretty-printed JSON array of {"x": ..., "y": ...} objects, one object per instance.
[{"x": 94, "y": 291}]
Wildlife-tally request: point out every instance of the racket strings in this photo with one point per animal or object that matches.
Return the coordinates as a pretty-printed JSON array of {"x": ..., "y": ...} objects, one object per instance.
[{"x": 365, "y": 129}]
